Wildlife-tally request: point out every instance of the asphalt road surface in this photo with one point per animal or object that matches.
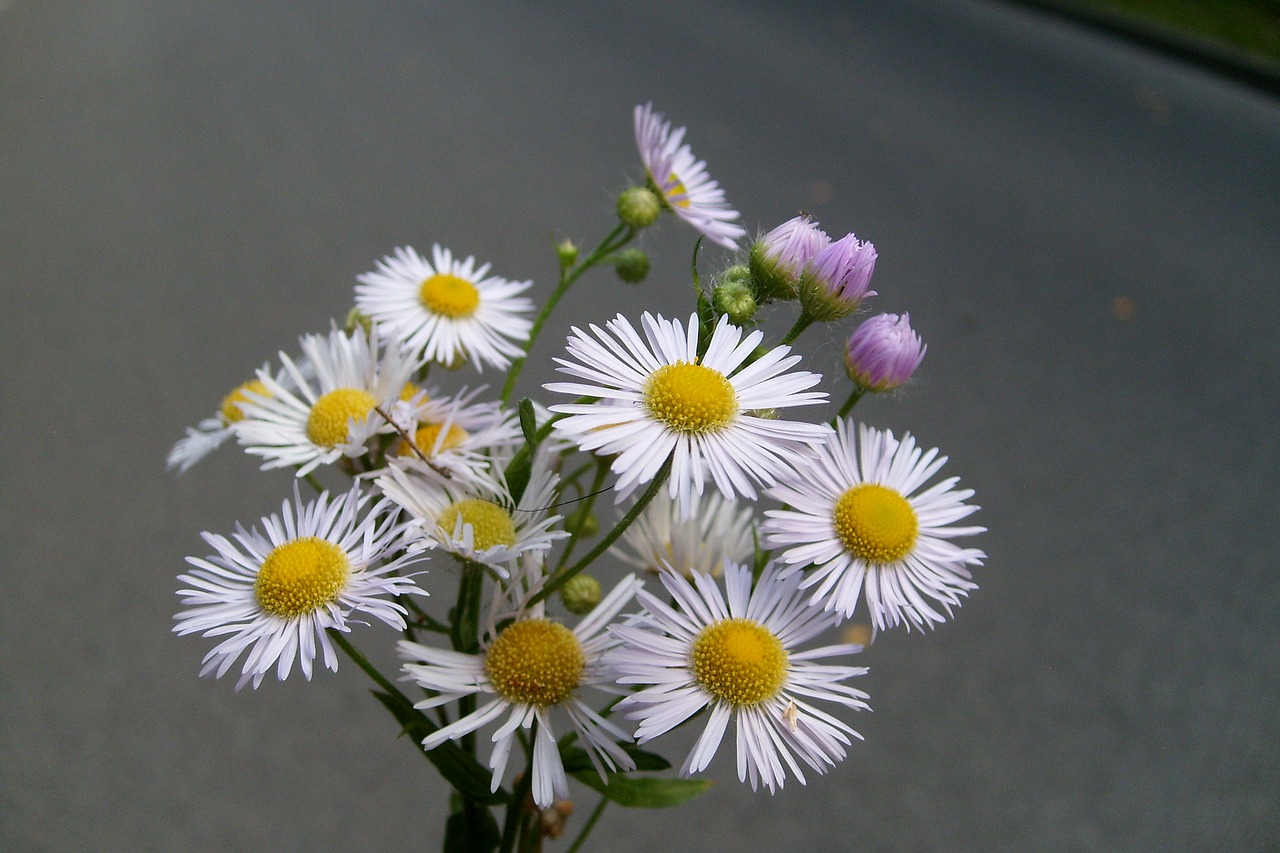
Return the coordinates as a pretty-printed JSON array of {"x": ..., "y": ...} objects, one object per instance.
[{"x": 1084, "y": 232}]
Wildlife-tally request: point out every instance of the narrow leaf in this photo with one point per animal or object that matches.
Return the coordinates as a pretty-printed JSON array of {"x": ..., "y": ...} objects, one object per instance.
[{"x": 645, "y": 792}]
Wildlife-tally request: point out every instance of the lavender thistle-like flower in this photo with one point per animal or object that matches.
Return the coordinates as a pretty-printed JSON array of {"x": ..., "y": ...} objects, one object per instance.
[
  {"x": 883, "y": 352},
  {"x": 838, "y": 278},
  {"x": 779, "y": 257}
]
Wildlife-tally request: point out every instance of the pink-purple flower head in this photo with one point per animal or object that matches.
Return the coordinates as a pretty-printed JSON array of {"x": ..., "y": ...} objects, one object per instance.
[
  {"x": 779, "y": 257},
  {"x": 883, "y": 352},
  {"x": 838, "y": 279}
]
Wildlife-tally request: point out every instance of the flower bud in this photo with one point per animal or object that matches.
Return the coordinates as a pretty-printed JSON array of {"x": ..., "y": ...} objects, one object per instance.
[
  {"x": 580, "y": 594},
  {"x": 567, "y": 252},
  {"x": 883, "y": 352},
  {"x": 585, "y": 523},
  {"x": 632, "y": 265},
  {"x": 639, "y": 207},
  {"x": 838, "y": 278},
  {"x": 778, "y": 258},
  {"x": 357, "y": 319},
  {"x": 734, "y": 298}
]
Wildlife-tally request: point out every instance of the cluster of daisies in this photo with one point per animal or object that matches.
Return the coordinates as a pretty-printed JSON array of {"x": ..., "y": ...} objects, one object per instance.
[{"x": 686, "y": 420}]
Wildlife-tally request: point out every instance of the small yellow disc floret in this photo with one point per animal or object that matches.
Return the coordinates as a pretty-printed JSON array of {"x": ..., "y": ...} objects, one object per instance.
[
  {"x": 426, "y": 435},
  {"x": 690, "y": 398},
  {"x": 739, "y": 661},
  {"x": 300, "y": 577},
  {"x": 677, "y": 193},
  {"x": 327, "y": 423},
  {"x": 231, "y": 411},
  {"x": 875, "y": 523},
  {"x": 449, "y": 296},
  {"x": 490, "y": 523},
  {"x": 535, "y": 662}
]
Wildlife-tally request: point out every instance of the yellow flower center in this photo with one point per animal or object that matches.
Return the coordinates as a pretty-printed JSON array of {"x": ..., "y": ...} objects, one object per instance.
[
  {"x": 535, "y": 662},
  {"x": 875, "y": 523},
  {"x": 409, "y": 390},
  {"x": 231, "y": 411},
  {"x": 690, "y": 398},
  {"x": 449, "y": 296},
  {"x": 490, "y": 523},
  {"x": 327, "y": 423},
  {"x": 300, "y": 577},
  {"x": 426, "y": 436},
  {"x": 677, "y": 193},
  {"x": 739, "y": 661}
]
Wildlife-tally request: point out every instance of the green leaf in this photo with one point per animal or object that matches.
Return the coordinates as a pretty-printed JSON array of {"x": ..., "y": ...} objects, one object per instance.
[
  {"x": 458, "y": 768},
  {"x": 644, "y": 792},
  {"x": 576, "y": 759},
  {"x": 472, "y": 830},
  {"x": 528, "y": 423}
]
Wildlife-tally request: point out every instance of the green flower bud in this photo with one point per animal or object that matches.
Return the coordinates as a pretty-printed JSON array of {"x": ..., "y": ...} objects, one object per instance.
[
  {"x": 580, "y": 594},
  {"x": 357, "y": 319},
  {"x": 734, "y": 299},
  {"x": 632, "y": 265},
  {"x": 567, "y": 252},
  {"x": 585, "y": 523},
  {"x": 639, "y": 207}
]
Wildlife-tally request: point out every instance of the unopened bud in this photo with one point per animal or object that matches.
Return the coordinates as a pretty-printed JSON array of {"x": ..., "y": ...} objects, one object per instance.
[
  {"x": 580, "y": 594},
  {"x": 632, "y": 265},
  {"x": 639, "y": 207},
  {"x": 357, "y": 319},
  {"x": 567, "y": 252},
  {"x": 735, "y": 300}
]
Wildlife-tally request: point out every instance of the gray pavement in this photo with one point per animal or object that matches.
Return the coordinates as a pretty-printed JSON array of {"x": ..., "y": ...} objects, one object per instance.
[{"x": 1084, "y": 232}]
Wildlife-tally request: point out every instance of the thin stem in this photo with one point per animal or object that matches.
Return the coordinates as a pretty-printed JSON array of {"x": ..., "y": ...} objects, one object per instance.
[
  {"x": 590, "y": 824},
  {"x": 803, "y": 322},
  {"x": 313, "y": 483},
  {"x": 563, "y": 577},
  {"x": 617, "y": 238},
  {"x": 854, "y": 397},
  {"x": 363, "y": 662},
  {"x": 602, "y": 469}
]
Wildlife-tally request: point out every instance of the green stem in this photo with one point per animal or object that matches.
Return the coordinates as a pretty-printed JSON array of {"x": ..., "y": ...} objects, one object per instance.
[
  {"x": 563, "y": 577},
  {"x": 314, "y": 483},
  {"x": 854, "y": 397},
  {"x": 803, "y": 322},
  {"x": 618, "y": 237},
  {"x": 363, "y": 662},
  {"x": 602, "y": 470},
  {"x": 591, "y": 822}
]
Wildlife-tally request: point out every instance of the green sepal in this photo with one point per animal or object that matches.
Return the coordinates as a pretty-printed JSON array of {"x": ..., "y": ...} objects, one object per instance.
[
  {"x": 576, "y": 760},
  {"x": 643, "y": 792},
  {"x": 458, "y": 768}
]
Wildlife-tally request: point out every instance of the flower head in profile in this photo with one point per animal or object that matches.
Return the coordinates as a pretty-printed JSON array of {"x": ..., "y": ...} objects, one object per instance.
[
  {"x": 456, "y": 433},
  {"x": 838, "y": 279},
  {"x": 662, "y": 537},
  {"x": 447, "y": 309},
  {"x": 276, "y": 591},
  {"x": 660, "y": 400},
  {"x": 778, "y": 258},
  {"x": 309, "y": 422},
  {"x": 528, "y": 669},
  {"x": 681, "y": 180},
  {"x": 857, "y": 522},
  {"x": 475, "y": 518},
  {"x": 736, "y": 653},
  {"x": 883, "y": 353}
]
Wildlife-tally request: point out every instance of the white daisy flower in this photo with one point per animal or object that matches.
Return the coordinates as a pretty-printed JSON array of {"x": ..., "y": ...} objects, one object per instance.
[
  {"x": 456, "y": 434},
  {"x": 855, "y": 523},
  {"x": 716, "y": 530},
  {"x": 212, "y": 433},
  {"x": 736, "y": 655},
  {"x": 309, "y": 422},
  {"x": 682, "y": 181},
  {"x": 447, "y": 309},
  {"x": 476, "y": 519},
  {"x": 530, "y": 667},
  {"x": 276, "y": 592},
  {"x": 659, "y": 400}
]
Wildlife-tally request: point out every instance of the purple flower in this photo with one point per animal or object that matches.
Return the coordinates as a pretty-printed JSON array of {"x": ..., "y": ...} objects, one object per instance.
[
  {"x": 844, "y": 270},
  {"x": 778, "y": 258},
  {"x": 883, "y": 352}
]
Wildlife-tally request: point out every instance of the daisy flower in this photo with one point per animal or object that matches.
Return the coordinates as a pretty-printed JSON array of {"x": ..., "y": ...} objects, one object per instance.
[
  {"x": 682, "y": 181},
  {"x": 309, "y": 422},
  {"x": 736, "y": 655},
  {"x": 275, "y": 592},
  {"x": 476, "y": 519},
  {"x": 659, "y": 400},
  {"x": 447, "y": 309},
  {"x": 856, "y": 523},
  {"x": 457, "y": 434},
  {"x": 211, "y": 433},
  {"x": 530, "y": 667},
  {"x": 662, "y": 538}
]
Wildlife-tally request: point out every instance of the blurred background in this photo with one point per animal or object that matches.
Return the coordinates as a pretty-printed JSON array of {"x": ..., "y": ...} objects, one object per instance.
[{"x": 1083, "y": 230}]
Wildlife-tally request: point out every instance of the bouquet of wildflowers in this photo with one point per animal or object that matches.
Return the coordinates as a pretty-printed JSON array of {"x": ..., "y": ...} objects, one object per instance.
[{"x": 749, "y": 533}]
